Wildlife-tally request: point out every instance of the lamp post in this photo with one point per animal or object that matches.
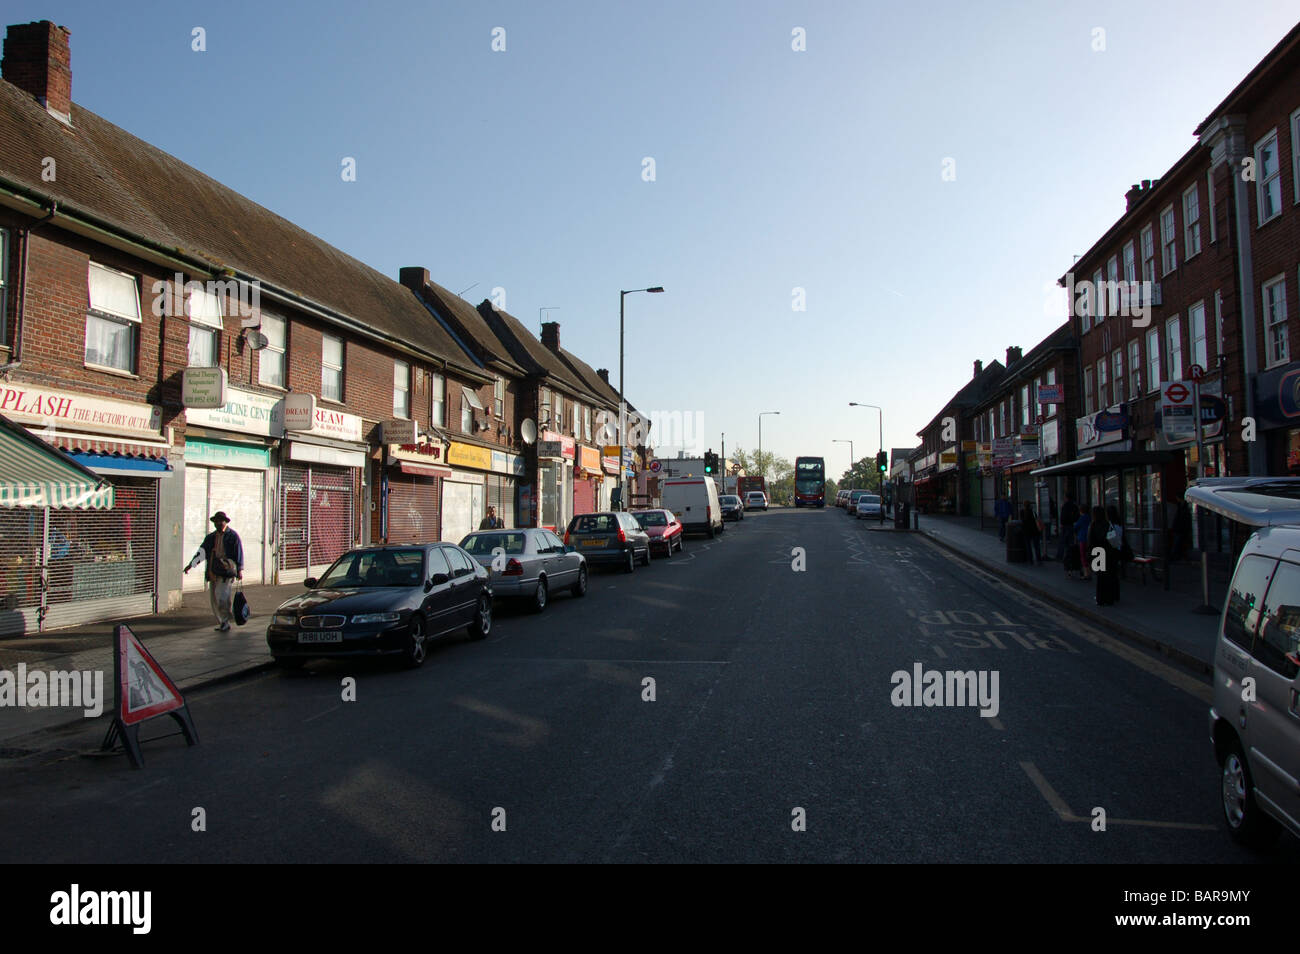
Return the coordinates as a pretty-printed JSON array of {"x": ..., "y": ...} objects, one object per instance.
[
  {"x": 762, "y": 471},
  {"x": 882, "y": 448},
  {"x": 622, "y": 405},
  {"x": 852, "y": 459}
]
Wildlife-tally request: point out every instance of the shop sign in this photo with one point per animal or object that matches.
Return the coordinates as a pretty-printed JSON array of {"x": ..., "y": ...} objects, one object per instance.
[
  {"x": 58, "y": 409},
  {"x": 610, "y": 464},
  {"x": 244, "y": 411},
  {"x": 302, "y": 415},
  {"x": 216, "y": 454},
  {"x": 299, "y": 411},
  {"x": 1100, "y": 428},
  {"x": 503, "y": 463},
  {"x": 589, "y": 458},
  {"x": 400, "y": 431},
  {"x": 203, "y": 387},
  {"x": 1004, "y": 452},
  {"x": 1051, "y": 394},
  {"x": 549, "y": 450},
  {"x": 1050, "y": 438},
  {"x": 1277, "y": 397},
  {"x": 469, "y": 455},
  {"x": 419, "y": 453}
]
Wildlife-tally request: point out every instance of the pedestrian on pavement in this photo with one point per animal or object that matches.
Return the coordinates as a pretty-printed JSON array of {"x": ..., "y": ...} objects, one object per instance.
[
  {"x": 491, "y": 521},
  {"x": 1081, "y": 541},
  {"x": 1101, "y": 537},
  {"x": 1033, "y": 534},
  {"x": 1002, "y": 510},
  {"x": 223, "y": 552},
  {"x": 1117, "y": 530},
  {"x": 1069, "y": 516}
]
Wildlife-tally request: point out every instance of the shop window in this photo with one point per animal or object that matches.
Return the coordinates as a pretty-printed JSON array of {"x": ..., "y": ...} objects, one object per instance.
[
  {"x": 270, "y": 360},
  {"x": 113, "y": 322}
]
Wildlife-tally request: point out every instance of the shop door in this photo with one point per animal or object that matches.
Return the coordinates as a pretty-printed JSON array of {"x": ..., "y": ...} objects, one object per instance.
[
  {"x": 317, "y": 513},
  {"x": 241, "y": 494},
  {"x": 462, "y": 509},
  {"x": 584, "y": 496}
]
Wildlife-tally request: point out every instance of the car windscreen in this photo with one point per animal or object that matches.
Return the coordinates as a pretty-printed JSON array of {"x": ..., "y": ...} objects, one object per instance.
[
  {"x": 480, "y": 543},
  {"x": 375, "y": 568},
  {"x": 728, "y": 499},
  {"x": 653, "y": 518},
  {"x": 594, "y": 523},
  {"x": 869, "y": 498}
]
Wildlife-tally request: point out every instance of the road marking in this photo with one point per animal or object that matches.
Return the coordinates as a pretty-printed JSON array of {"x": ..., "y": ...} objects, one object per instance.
[
  {"x": 996, "y": 723},
  {"x": 938, "y": 651},
  {"x": 1063, "y": 810},
  {"x": 325, "y": 713}
]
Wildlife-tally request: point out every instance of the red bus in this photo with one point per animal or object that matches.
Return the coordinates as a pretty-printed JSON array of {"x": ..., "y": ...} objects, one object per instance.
[{"x": 810, "y": 482}]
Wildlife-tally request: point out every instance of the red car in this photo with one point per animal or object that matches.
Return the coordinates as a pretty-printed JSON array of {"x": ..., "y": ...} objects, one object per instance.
[{"x": 665, "y": 532}]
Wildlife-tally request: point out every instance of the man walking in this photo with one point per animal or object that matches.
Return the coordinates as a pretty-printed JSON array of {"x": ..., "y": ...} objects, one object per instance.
[
  {"x": 491, "y": 521},
  {"x": 223, "y": 552}
]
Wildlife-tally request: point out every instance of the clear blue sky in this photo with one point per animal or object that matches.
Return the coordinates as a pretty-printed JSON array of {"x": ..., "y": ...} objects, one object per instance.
[{"x": 775, "y": 169}]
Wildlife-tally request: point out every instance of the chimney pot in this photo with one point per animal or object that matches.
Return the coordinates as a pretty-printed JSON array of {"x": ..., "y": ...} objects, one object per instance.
[
  {"x": 603, "y": 373},
  {"x": 551, "y": 335},
  {"x": 1013, "y": 355},
  {"x": 979, "y": 366},
  {"x": 38, "y": 60}
]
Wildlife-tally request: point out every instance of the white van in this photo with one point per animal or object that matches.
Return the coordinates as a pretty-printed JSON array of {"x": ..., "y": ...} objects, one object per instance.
[
  {"x": 1254, "y": 724},
  {"x": 694, "y": 501}
]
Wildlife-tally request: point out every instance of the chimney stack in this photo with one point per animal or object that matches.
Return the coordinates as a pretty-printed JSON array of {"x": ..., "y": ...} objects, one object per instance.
[
  {"x": 1013, "y": 355},
  {"x": 979, "y": 366},
  {"x": 603, "y": 373},
  {"x": 413, "y": 277},
  {"x": 551, "y": 335},
  {"x": 37, "y": 59}
]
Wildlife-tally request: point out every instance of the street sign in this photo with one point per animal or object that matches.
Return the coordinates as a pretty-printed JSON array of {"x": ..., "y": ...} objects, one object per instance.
[
  {"x": 655, "y": 466},
  {"x": 1177, "y": 412},
  {"x": 1196, "y": 372},
  {"x": 1051, "y": 394}
]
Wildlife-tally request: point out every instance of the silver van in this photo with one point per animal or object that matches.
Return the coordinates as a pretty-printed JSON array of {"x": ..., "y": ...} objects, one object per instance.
[{"x": 1255, "y": 715}]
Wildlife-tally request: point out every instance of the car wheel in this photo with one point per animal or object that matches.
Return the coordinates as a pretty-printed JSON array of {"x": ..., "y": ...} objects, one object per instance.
[
  {"x": 482, "y": 624},
  {"x": 539, "y": 597},
  {"x": 681, "y": 542},
  {"x": 290, "y": 662},
  {"x": 669, "y": 554},
  {"x": 580, "y": 588},
  {"x": 630, "y": 565},
  {"x": 1246, "y": 822},
  {"x": 645, "y": 560},
  {"x": 415, "y": 653}
]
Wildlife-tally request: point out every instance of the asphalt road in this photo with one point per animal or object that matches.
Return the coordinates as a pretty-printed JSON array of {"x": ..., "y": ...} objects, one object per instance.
[{"x": 773, "y": 694}]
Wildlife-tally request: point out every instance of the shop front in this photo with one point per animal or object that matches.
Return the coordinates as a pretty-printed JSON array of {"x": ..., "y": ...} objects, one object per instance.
[
  {"x": 228, "y": 467},
  {"x": 98, "y": 563},
  {"x": 411, "y": 492},
  {"x": 464, "y": 490},
  {"x": 1277, "y": 418},
  {"x": 587, "y": 480},
  {"x": 555, "y": 455},
  {"x": 322, "y": 464},
  {"x": 609, "y": 480},
  {"x": 503, "y": 486}
]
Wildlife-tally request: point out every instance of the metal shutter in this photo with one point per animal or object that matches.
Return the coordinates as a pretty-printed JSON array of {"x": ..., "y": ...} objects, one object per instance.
[{"x": 413, "y": 511}]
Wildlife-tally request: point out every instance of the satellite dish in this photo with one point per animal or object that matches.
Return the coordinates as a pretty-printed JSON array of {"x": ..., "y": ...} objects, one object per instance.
[
  {"x": 257, "y": 341},
  {"x": 528, "y": 430}
]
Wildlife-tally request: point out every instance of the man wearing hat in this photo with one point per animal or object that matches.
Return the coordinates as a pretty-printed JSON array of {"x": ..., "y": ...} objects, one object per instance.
[{"x": 224, "y": 555}]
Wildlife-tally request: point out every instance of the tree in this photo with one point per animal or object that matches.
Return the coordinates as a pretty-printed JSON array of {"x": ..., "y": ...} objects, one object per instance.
[{"x": 770, "y": 465}]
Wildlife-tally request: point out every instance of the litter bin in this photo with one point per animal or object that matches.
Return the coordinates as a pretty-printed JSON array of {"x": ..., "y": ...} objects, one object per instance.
[{"x": 1017, "y": 552}]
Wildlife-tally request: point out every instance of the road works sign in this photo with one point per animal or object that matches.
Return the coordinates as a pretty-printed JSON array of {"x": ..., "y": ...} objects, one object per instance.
[{"x": 144, "y": 692}]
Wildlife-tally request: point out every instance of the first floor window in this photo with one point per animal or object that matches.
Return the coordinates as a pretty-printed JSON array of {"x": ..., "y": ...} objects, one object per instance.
[
  {"x": 1117, "y": 375},
  {"x": 1135, "y": 368},
  {"x": 1153, "y": 359},
  {"x": 270, "y": 360},
  {"x": 1174, "y": 345},
  {"x": 203, "y": 347},
  {"x": 437, "y": 388},
  {"x": 204, "y": 309},
  {"x": 331, "y": 368},
  {"x": 1102, "y": 388},
  {"x": 113, "y": 322},
  {"x": 1275, "y": 335},
  {"x": 1088, "y": 393},
  {"x": 4, "y": 286},
  {"x": 1196, "y": 331},
  {"x": 499, "y": 398},
  {"x": 401, "y": 388}
]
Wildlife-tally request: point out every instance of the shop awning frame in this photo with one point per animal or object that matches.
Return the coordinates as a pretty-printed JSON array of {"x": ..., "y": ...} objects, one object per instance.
[
  {"x": 1100, "y": 461},
  {"x": 37, "y": 475}
]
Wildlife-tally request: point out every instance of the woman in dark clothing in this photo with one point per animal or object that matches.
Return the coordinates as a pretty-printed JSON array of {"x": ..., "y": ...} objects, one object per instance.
[
  {"x": 1108, "y": 576},
  {"x": 1029, "y": 527}
]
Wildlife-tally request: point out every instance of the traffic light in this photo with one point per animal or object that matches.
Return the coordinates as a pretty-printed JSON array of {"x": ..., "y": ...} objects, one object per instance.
[
  {"x": 882, "y": 462},
  {"x": 710, "y": 462}
]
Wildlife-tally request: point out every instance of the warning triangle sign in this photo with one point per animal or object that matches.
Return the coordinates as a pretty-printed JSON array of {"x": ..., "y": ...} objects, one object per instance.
[{"x": 144, "y": 690}]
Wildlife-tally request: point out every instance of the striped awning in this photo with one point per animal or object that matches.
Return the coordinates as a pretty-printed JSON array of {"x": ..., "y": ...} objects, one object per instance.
[{"x": 34, "y": 474}]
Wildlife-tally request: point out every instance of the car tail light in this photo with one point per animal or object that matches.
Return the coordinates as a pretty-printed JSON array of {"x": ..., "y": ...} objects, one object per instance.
[
  {"x": 708, "y": 512},
  {"x": 566, "y": 538},
  {"x": 513, "y": 568},
  {"x": 622, "y": 535}
]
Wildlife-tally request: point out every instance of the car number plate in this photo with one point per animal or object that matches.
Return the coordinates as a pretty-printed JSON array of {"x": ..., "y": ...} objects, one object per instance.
[
  {"x": 324, "y": 636},
  {"x": 593, "y": 543}
]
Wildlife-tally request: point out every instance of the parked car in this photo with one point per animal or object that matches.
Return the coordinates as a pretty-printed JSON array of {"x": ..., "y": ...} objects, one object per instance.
[
  {"x": 732, "y": 507},
  {"x": 383, "y": 600},
  {"x": 842, "y": 498},
  {"x": 851, "y": 505},
  {"x": 869, "y": 506},
  {"x": 528, "y": 564},
  {"x": 755, "y": 500},
  {"x": 1253, "y": 724},
  {"x": 611, "y": 537},
  {"x": 665, "y": 530},
  {"x": 694, "y": 502}
]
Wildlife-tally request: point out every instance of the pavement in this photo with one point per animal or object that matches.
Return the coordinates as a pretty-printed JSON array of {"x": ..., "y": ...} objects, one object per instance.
[
  {"x": 1148, "y": 614},
  {"x": 183, "y": 641}
]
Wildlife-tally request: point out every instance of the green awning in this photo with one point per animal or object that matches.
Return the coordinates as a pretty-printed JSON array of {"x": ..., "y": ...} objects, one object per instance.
[{"x": 34, "y": 474}]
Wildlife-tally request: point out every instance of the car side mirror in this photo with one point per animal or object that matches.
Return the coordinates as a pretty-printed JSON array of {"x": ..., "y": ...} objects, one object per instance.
[
  {"x": 310, "y": 582},
  {"x": 570, "y": 549},
  {"x": 438, "y": 579}
]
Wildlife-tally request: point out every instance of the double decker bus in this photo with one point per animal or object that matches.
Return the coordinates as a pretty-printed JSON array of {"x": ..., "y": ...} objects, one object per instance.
[{"x": 810, "y": 482}]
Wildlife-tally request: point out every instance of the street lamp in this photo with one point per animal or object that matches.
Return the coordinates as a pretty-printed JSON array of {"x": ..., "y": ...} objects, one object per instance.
[
  {"x": 852, "y": 459},
  {"x": 762, "y": 471},
  {"x": 882, "y": 448},
  {"x": 622, "y": 405}
]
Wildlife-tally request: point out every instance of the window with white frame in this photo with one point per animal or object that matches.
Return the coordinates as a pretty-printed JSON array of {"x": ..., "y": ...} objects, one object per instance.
[
  {"x": 1135, "y": 368},
  {"x": 466, "y": 412},
  {"x": 270, "y": 360},
  {"x": 1153, "y": 359},
  {"x": 1275, "y": 336},
  {"x": 1024, "y": 407},
  {"x": 331, "y": 368},
  {"x": 586, "y": 424},
  {"x": 1168, "y": 241},
  {"x": 1148, "y": 254},
  {"x": 1098, "y": 298},
  {"x": 557, "y": 412},
  {"x": 499, "y": 398},
  {"x": 113, "y": 321},
  {"x": 1174, "y": 348},
  {"x": 204, "y": 309},
  {"x": 1209, "y": 206},
  {"x": 1002, "y": 419},
  {"x": 1050, "y": 379},
  {"x": 577, "y": 419},
  {"x": 438, "y": 396},
  {"x": 1130, "y": 271},
  {"x": 1112, "y": 285},
  {"x": 401, "y": 388},
  {"x": 1196, "y": 334},
  {"x": 544, "y": 408},
  {"x": 1088, "y": 393},
  {"x": 1117, "y": 376},
  {"x": 1268, "y": 178},
  {"x": 1218, "y": 323},
  {"x": 1103, "y": 386},
  {"x": 1191, "y": 222}
]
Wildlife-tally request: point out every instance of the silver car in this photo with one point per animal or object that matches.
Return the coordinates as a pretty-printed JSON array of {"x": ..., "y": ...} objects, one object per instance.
[
  {"x": 868, "y": 507},
  {"x": 528, "y": 564}
]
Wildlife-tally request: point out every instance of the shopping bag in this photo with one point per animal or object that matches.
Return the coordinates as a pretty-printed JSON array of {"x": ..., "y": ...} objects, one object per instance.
[{"x": 240, "y": 608}]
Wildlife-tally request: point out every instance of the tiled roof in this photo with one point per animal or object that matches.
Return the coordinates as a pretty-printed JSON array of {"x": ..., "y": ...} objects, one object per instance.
[
  {"x": 529, "y": 352},
  {"x": 104, "y": 173}
]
